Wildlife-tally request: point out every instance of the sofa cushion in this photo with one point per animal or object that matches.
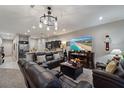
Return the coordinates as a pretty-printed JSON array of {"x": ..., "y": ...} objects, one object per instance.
[
  {"x": 49, "y": 57},
  {"x": 41, "y": 77},
  {"x": 56, "y": 56},
  {"x": 41, "y": 59}
]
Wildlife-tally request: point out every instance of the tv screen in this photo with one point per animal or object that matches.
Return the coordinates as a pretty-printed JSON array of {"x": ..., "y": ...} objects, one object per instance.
[{"x": 81, "y": 43}]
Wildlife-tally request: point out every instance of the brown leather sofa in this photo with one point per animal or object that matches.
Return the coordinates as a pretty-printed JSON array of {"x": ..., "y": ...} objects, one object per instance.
[
  {"x": 39, "y": 77},
  {"x": 102, "y": 79}
]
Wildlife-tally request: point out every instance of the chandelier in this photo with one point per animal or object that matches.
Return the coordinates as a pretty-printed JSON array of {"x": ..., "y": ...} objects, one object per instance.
[{"x": 48, "y": 20}]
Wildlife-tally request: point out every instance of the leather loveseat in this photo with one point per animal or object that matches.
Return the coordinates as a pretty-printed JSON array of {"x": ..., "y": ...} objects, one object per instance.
[
  {"x": 39, "y": 77},
  {"x": 102, "y": 79}
]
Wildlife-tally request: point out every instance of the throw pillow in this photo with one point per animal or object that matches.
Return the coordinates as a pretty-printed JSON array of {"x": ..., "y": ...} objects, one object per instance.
[
  {"x": 111, "y": 67},
  {"x": 41, "y": 59},
  {"x": 56, "y": 56}
]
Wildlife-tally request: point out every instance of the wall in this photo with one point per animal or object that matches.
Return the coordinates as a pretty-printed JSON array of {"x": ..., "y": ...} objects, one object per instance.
[
  {"x": 0, "y": 41},
  {"x": 8, "y": 47},
  {"x": 15, "y": 47},
  {"x": 33, "y": 43},
  {"x": 41, "y": 44},
  {"x": 114, "y": 29},
  {"x": 37, "y": 43}
]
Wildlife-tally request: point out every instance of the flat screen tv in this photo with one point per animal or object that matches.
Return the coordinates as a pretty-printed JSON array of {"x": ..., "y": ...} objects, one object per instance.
[{"x": 81, "y": 43}]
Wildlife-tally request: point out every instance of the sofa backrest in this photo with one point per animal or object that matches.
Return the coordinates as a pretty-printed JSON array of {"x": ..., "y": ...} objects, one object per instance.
[{"x": 49, "y": 56}]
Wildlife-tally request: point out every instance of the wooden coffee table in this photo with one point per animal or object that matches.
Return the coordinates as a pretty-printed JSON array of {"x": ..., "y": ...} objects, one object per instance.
[{"x": 70, "y": 70}]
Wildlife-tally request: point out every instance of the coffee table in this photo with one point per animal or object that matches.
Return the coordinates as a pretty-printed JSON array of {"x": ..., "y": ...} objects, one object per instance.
[{"x": 70, "y": 70}]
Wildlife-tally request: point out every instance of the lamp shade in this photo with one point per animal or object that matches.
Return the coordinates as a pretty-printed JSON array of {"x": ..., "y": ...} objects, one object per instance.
[{"x": 116, "y": 52}]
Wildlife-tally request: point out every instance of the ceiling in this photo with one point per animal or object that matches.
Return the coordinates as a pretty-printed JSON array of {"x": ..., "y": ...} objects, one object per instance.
[{"x": 18, "y": 19}]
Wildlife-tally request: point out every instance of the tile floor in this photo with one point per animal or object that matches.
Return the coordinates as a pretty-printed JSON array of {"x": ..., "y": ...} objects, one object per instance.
[
  {"x": 10, "y": 74},
  {"x": 9, "y": 63}
]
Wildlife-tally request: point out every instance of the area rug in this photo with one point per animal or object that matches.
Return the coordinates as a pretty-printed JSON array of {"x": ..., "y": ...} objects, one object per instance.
[
  {"x": 11, "y": 78},
  {"x": 85, "y": 76}
]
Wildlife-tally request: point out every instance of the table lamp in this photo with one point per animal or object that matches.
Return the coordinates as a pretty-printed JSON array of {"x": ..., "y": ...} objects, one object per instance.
[{"x": 117, "y": 54}]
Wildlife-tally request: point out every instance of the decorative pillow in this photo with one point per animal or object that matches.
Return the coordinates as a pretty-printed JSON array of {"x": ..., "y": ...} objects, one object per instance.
[
  {"x": 41, "y": 59},
  {"x": 111, "y": 67},
  {"x": 56, "y": 56},
  {"x": 61, "y": 54}
]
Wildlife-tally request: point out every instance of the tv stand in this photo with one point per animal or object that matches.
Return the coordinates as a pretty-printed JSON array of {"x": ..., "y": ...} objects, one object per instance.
[{"x": 87, "y": 58}]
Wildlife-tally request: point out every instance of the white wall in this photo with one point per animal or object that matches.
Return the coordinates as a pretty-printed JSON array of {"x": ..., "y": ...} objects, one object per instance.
[
  {"x": 37, "y": 43},
  {"x": 15, "y": 47},
  {"x": 114, "y": 29},
  {"x": 8, "y": 47},
  {"x": 41, "y": 44},
  {"x": 0, "y": 41},
  {"x": 33, "y": 43}
]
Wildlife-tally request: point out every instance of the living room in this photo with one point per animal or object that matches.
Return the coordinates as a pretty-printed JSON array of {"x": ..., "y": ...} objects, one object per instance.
[{"x": 86, "y": 52}]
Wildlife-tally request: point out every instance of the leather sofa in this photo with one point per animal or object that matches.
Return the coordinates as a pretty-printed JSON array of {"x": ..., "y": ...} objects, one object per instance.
[
  {"x": 50, "y": 62},
  {"x": 102, "y": 79},
  {"x": 39, "y": 77}
]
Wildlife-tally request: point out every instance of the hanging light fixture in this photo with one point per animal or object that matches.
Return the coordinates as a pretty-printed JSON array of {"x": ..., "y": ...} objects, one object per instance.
[{"x": 48, "y": 20}]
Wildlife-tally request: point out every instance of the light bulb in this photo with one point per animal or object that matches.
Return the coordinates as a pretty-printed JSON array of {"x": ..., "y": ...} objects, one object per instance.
[
  {"x": 56, "y": 28},
  {"x": 55, "y": 24},
  {"x": 33, "y": 27},
  {"x": 100, "y": 18},
  {"x": 45, "y": 21},
  {"x": 28, "y": 30},
  {"x": 48, "y": 28},
  {"x": 25, "y": 33},
  {"x": 40, "y": 25}
]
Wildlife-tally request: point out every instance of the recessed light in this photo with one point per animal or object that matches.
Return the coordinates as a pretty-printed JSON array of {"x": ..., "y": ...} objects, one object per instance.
[
  {"x": 100, "y": 18},
  {"x": 28, "y": 31},
  {"x": 48, "y": 28},
  {"x": 33, "y": 27},
  {"x": 63, "y": 30},
  {"x": 56, "y": 28},
  {"x": 8, "y": 34},
  {"x": 25, "y": 33}
]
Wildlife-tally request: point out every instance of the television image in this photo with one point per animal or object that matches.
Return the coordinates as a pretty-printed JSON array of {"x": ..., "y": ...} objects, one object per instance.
[{"x": 81, "y": 43}]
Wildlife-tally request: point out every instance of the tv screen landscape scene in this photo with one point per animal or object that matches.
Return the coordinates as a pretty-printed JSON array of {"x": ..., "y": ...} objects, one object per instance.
[{"x": 81, "y": 43}]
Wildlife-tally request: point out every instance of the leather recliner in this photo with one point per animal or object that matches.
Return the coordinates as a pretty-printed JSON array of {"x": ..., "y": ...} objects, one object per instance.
[
  {"x": 102, "y": 79},
  {"x": 38, "y": 77}
]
